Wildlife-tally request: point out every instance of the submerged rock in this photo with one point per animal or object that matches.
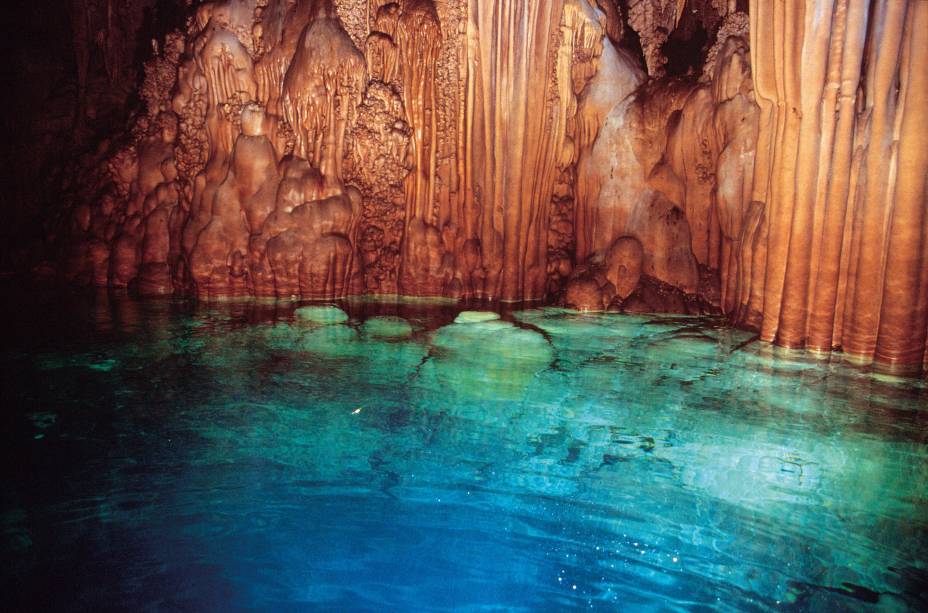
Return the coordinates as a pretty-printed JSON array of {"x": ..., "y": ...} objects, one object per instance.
[
  {"x": 470, "y": 317},
  {"x": 485, "y": 361},
  {"x": 387, "y": 327},
  {"x": 324, "y": 315},
  {"x": 333, "y": 341}
]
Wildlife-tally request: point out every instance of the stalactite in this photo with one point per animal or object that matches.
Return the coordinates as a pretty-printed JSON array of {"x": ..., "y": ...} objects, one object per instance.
[
  {"x": 511, "y": 64},
  {"x": 654, "y": 20},
  {"x": 418, "y": 37},
  {"x": 841, "y": 179},
  {"x": 903, "y": 323},
  {"x": 418, "y": 41},
  {"x": 845, "y": 72},
  {"x": 324, "y": 84}
]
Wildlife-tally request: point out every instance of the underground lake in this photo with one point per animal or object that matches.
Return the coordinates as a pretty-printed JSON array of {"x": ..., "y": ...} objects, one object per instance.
[{"x": 411, "y": 455}]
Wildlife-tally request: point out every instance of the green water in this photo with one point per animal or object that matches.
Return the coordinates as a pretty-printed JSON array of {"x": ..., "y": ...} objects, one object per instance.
[{"x": 408, "y": 456}]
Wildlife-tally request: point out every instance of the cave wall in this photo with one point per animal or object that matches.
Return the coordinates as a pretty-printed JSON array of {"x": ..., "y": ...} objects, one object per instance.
[
  {"x": 442, "y": 135},
  {"x": 533, "y": 151},
  {"x": 839, "y": 258}
]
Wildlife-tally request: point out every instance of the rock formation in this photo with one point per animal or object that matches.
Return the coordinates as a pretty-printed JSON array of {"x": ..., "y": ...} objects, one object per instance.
[
  {"x": 838, "y": 257},
  {"x": 512, "y": 150}
]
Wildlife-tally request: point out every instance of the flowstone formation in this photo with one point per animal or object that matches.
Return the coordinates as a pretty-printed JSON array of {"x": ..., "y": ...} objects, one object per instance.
[
  {"x": 561, "y": 150},
  {"x": 839, "y": 256}
]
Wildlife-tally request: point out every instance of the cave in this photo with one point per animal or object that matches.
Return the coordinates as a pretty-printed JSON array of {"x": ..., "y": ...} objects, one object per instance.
[{"x": 465, "y": 304}]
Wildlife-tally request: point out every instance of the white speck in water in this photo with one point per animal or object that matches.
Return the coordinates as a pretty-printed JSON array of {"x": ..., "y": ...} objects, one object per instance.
[{"x": 675, "y": 559}]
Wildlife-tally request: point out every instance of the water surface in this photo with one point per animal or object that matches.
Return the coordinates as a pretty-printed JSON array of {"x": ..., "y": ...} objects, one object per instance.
[{"x": 165, "y": 456}]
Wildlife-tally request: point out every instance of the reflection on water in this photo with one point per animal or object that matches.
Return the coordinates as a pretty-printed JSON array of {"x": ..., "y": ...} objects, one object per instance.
[{"x": 251, "y": 456}]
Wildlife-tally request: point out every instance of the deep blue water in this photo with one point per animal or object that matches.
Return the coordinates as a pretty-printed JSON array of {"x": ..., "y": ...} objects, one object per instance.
[{"x": 160, "y": 455}]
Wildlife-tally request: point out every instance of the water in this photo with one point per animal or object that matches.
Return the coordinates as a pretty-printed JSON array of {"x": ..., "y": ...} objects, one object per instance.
[{"x": 161, "y": 456}]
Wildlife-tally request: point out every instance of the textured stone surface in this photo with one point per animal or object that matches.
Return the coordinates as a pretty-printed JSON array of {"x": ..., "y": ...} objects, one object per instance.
[
  {"x": 318, "y": 149},
  {"x": 835, "y": 256}
]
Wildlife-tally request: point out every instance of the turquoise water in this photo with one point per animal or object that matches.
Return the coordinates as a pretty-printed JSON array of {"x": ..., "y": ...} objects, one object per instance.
[{"x": 408, "y": 457}]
